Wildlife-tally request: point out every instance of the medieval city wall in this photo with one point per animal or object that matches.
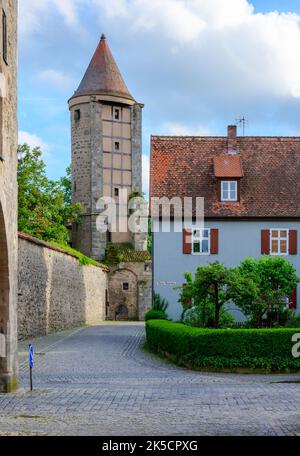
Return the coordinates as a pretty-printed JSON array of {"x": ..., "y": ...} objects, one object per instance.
[{"x": 55, "y": 291}]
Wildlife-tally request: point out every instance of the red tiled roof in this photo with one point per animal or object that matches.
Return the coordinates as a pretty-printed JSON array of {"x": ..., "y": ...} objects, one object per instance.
[
  {"x": 183, "y": 166},
  {"x": 228, "y": 166},
  {"x": 103, "y": 76}
]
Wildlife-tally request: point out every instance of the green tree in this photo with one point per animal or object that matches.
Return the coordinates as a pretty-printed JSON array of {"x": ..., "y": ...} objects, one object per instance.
[
  {"x": 210, "y": 287},
  {"x": 260, "y": 288},
  {"x": 45, "y": 208}
]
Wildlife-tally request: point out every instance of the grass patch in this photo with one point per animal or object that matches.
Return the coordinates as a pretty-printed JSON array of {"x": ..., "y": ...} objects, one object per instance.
[{"x": 83, "y": 259}]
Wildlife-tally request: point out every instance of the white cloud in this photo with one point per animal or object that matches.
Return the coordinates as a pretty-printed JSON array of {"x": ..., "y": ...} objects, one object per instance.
[
  {"x": 30, "y": 12},
  {"x": 174, "y": 18},
  {"x": 33, "y": 13},
  {"x": 33, "y": 141},
  {"x": 146, "y": 173},
  {"x": 178, "y": 129},
  {"x": 67, "y": 8},
  {"x": 56, "y": 78},
  {"x": 113, "y": 8},
  {"x": 224, "y": 45}
]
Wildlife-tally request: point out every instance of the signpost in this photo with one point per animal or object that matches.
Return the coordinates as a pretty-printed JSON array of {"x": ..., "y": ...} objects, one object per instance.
[{"x": 31, "y": 364}]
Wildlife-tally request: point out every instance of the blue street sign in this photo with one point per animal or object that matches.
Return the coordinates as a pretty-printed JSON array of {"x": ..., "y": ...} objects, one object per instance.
[{"x": 31, "y": 356}]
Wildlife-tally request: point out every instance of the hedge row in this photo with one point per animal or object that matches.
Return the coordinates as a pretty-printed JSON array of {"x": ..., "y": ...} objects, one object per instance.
[{"x": 267, "y": 349}]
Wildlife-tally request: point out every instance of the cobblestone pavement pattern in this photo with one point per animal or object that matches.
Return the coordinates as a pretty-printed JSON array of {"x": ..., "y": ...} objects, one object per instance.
[{"x": 99, "y": 381}]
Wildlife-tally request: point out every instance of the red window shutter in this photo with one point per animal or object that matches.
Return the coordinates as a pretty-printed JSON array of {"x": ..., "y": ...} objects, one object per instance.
[
  {"x": 214, "y": 241},
  {"x": 265, "y": 242},
  {"x": 293, "y": 299},
  {"x": 293, "y": 242},
  {"x": 187, "y": 242}
]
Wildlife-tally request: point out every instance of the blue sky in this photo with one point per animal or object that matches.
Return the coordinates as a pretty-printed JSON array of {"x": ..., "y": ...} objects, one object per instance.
[{"x": 196, "y": 64}]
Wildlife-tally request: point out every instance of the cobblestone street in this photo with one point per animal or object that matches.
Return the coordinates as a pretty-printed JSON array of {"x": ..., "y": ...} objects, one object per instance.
[{"x": 99, "y": 381}]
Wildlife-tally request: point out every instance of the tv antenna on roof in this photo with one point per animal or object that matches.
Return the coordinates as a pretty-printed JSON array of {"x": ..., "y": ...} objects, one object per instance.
[{"x": 242, "y": 121}]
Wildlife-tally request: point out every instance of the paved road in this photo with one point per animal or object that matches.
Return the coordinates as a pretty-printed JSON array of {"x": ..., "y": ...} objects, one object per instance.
[{"x": 99, "y": 381}]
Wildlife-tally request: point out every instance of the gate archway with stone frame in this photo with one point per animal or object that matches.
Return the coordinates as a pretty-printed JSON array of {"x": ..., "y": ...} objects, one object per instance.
[{"x": 123, "y": 295}]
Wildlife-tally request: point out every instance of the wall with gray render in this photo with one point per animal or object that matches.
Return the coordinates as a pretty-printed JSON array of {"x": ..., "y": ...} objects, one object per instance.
[
  {"x": 55, "y": 291},
  {"x": 237, "y": 240}
]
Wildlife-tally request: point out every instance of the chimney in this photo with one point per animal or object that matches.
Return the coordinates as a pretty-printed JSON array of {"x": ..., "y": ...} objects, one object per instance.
[{"x": 232, "y": 142}]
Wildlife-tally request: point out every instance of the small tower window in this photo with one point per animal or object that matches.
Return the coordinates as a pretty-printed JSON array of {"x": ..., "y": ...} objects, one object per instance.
[
  {"x": 116, "y": 113},
  {"x": 117, "y": 145},
  {"x": 126, "y": 286},
  {"x": 77, "y": 115},
  {"x": 116, "y": 192},
  {"x": 4, "y": 37}
]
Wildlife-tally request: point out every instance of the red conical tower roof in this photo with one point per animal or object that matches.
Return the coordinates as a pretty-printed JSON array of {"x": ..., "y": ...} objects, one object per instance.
[{"x": 103, "y": 76}]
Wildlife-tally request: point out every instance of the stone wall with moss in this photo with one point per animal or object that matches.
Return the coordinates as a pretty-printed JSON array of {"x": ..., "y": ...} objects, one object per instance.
[{"x": 56, "y": 292}]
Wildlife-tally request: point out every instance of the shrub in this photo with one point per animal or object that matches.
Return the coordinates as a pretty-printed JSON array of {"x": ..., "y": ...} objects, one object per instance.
[
  {"x": 294, "y": 322},
  {"x": 159, "y": 303},
  {"x": 261, "y": 286},
  {"x": 202, "y": 316},
  {"x": 267, "y": 349},
  {"x": 155, "y": 315}
]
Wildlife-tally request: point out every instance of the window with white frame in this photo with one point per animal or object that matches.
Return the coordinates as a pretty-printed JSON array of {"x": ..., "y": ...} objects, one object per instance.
[
  {"x": 229, "y": 191},
  {"x": 279, "y": 242},
  {"x": 201, "y": 242}
]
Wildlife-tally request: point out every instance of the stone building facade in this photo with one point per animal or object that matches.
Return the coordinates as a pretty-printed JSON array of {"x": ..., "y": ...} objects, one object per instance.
[
  {"x": 8, "y": 195},
  {"x": 130, "y": 291},
  {"x": 56, "y": 292},
  {"x": 106, "y": 135}
]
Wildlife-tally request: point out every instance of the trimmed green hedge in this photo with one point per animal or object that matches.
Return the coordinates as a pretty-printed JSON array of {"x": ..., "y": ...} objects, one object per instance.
[
  {"x": 154, "y": 314},
  {"x": 266, "y": 349}
]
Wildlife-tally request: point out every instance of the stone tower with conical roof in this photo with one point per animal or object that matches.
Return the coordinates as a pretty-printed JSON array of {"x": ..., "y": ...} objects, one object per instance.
[{"x": 106, "y": 124}]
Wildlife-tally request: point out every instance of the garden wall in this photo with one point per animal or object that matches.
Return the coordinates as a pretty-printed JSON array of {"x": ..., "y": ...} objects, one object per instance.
[{"x": 55, "y": 291}]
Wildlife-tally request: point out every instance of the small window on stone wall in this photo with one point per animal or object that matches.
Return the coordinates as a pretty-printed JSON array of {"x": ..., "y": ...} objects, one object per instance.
[
  {"x": 117, "y": 114},
  {"x": 116, "y": 192},
  {"x": 117, "y": 145},
  {"x": 77, "y": 115},
  {"x": 126, "y": 286}
]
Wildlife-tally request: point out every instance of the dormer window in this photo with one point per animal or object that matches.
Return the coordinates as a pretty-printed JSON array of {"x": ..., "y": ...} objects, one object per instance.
[{"x": 229, "y": 191}]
